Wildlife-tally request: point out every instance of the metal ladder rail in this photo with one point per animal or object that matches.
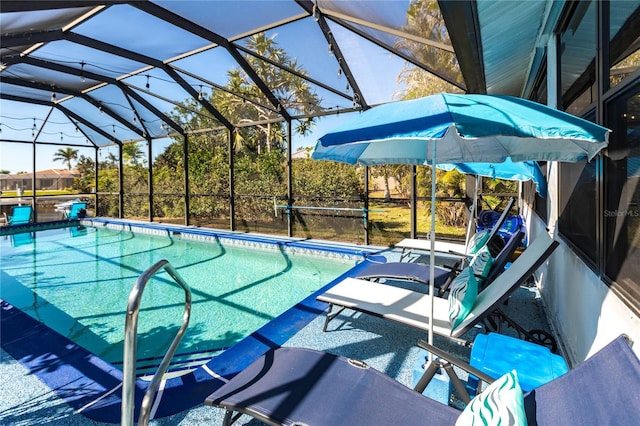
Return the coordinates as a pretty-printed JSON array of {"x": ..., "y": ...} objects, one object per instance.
[{"x": 131, "y": 341}]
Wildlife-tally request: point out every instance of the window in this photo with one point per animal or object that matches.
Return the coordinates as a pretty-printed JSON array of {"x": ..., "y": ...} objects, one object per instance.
[
  {"x": 577, "y": 58},
  {"x": 599, "y": 202},
  {"x": 577, "y": 206},
  {"x": 46, "y": 184},
  {"x": 622, "y": 206},
  {"x": 624, "y": 37}
]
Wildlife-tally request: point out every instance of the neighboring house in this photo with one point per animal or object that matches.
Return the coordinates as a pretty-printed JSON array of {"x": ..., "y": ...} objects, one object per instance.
[
  {"x": 301, "y": 154},
  {"x": 45, "y": 179}
]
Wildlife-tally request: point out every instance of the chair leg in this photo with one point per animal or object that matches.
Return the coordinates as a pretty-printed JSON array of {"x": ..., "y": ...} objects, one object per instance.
[
  {"x": 229, "y": 418},
  {"x": 427, "y": 376},
  {"x": 430, "y": 371},
  {"x": 331, "y": 315},
  {"x": 460, "y": 388},
  {"x": 228, "y": 415}
]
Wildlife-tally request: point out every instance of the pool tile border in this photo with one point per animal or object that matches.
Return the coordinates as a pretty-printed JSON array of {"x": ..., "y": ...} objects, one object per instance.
[
  {"x": 268, "y": 242},
  {"x": 37, "y": 226}
]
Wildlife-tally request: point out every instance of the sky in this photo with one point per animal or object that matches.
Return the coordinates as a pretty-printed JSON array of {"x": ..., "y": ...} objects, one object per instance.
[
  {"x": 375, "y": 69},
  {"x": 18, "y": 157}
]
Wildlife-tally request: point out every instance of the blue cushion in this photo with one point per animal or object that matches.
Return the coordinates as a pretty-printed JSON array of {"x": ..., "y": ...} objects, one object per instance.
[{"x": 495, "y": 354}]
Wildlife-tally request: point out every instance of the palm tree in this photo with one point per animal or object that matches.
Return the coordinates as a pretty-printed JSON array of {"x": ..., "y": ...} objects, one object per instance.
[
  {"x": 424, "y": 19},
  {"x": 66, "y": 155},
  {"x": 294, "y": 93}
]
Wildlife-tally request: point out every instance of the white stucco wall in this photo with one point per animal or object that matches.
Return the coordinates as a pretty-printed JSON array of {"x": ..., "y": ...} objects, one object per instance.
[{"x": 584, "y": 312}]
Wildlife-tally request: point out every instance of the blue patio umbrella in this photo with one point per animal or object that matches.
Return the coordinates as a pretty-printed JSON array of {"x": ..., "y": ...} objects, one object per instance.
[
  {"x": 521, "y": 171},
  {"x": 466, "y": 128},
  {"x": 461, "y": 128}
]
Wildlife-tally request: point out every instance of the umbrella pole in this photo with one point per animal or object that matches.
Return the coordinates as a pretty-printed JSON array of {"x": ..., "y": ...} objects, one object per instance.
[
  {"x": 432, "y": 237},
  {"x": 472, "y": 214}
]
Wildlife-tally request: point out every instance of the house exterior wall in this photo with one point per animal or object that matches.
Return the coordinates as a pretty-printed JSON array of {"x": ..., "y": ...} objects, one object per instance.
[
  {"x": 584, "y": 312},
  {"x": 10, "y": 182}
]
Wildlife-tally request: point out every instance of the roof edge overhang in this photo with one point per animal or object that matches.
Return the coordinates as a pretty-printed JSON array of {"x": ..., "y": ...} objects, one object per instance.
[{"x": 461, "y": 19}]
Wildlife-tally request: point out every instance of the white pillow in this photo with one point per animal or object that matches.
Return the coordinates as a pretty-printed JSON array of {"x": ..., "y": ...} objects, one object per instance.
[
  {"x": 502, "y": 403},
  {"x": 462, "y": 296},
  {"x": 478, "y": 241}
]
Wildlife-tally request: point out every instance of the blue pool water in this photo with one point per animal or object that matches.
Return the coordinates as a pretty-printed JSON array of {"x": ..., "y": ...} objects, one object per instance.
[{"x": 77, "y": 281}]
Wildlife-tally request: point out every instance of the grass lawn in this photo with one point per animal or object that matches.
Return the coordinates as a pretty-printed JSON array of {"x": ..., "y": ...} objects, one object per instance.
[{"x": 394, "y": 223}]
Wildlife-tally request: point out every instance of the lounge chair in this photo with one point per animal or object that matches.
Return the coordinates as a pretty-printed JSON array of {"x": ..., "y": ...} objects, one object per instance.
[
  {"x": 75, "y": 209},
  {"x": 20, "y": 215},
  {"x": 420, "y": 272},
  {"x": 408, "y": 245},
  {"x": 296, "y": 386},
  {"x": 412, "y": 308}
]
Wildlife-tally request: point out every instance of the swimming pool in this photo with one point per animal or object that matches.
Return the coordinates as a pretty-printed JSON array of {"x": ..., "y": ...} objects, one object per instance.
[
  {"x": 232, "y": 276},
  {"x": 77, "y": 281}
]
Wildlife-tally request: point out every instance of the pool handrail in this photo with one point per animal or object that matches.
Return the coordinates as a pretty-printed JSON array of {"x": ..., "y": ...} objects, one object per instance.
[{"x": 131, "y": 340}]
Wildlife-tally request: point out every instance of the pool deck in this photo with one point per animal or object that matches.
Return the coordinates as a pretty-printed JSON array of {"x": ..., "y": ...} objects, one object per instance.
[{"x": 384, "y": 345}]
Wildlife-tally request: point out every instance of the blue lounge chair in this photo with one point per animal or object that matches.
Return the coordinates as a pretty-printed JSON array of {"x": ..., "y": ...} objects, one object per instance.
[
  {"x": 420, "y": 272},
  {"x": 409, "y": 245},
  {"x": 412, "y": 308},
  {"x": 296, "y": 386},
  {"x": 20, "y": 215},
  {"x": 75, "y": 209}
]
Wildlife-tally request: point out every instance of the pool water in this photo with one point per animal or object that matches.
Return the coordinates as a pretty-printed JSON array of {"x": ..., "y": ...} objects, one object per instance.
[{"x": 77, "y": 281}]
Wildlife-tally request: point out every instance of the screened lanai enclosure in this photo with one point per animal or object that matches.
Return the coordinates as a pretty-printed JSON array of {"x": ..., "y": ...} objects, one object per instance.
[{"x": 204, "y": 112}]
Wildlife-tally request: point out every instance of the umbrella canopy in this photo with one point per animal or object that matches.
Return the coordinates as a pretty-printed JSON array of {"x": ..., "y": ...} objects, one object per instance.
[
  {"x": 467, "y": 128},
  {"x": 508, "y": 170},
  {"x": 452, "y": 128}
]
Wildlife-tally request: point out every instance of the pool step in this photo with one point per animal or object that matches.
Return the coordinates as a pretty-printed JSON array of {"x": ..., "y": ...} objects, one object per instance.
[{"x": 179, "y": 362}]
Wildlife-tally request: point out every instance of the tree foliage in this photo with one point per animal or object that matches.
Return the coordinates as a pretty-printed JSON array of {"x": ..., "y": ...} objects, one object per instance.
[
  {"x": 424, "y": 19},
  {"x": 259, "y": 143},
  {"x": 132, "y": 154},
  {"x": 313, "y": 178},
  {"x": 86, "y": 180},
  {"x": 66, "y": 155}
]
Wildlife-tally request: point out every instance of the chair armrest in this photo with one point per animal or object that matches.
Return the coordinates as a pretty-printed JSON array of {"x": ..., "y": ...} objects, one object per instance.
[
  {"x": 455, "y": 361},
  {"x": 455, "y": 270},
  {"x": 456, "y": 267}
]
